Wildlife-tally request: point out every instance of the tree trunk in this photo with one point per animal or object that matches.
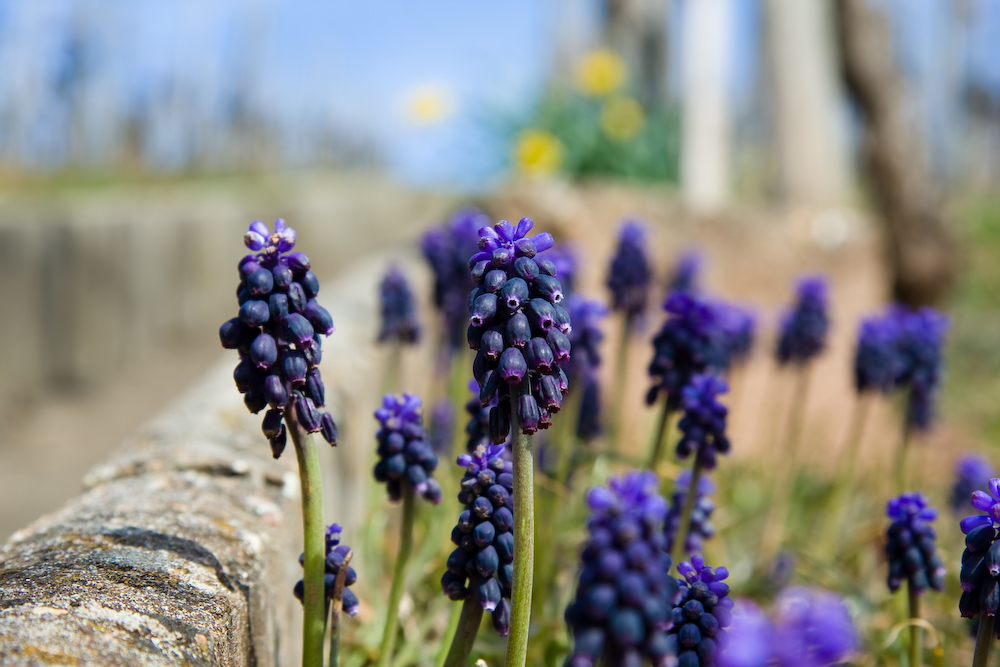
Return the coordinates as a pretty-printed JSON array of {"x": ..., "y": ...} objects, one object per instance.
[{"x": 922, "y": 251}]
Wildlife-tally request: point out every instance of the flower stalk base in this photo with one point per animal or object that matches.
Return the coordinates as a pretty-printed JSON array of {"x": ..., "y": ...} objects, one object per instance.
[{"x": 313, "y": 597}]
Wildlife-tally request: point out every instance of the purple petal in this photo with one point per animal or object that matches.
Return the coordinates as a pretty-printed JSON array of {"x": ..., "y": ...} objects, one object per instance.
[
  {"x": 982, "y": 501},
  {"x": 253, "y": 240},
  {"x": 600, "y": 498},
  {"x": 487, "y": 232},
  {"x": 721, "y": 573},
  {"x": 464, "y": 460},
  {"x": 995, "y": 513},
  {"x": 260, "y": 228},
  {"x": 287, "y": 241},
  {"x": 543, "y": 241},
  {"x": 929, "y": 514},
  {"x": 505, "y": 231},
  {"x": 279, "y": 225},
  {"x": 970, "y": 523},
  {"x": 524, "y": 226},
  {"x": 995, "y": 487}
]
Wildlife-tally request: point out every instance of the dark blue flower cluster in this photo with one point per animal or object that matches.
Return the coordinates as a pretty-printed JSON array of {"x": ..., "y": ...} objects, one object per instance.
[
  {"x": 621, "y": 613},
  {"x": 442, "y": 426},
  {"x": 477, "y": 429},
  {"x": 586, "y": 338},
  {"x": 701, "y": 527},
  {"x": 335, "y": 553},
  {"x": 686, "y": 272},
  {"x": 703, "y": 426},
  {"x": 910, "y": 547},
  {"x": 812, "y": 628},
  {"x": 518, "y": 327},
  {"x": 739, "y": 329},
  {"x": 972, "y": 473},
  {"x": 630, "y": 274},
  {"x": 405, "y": 456},
  {"x": 875, "y": 359},
  {"x": 701, "y": 614},
  {"x": 804, "y": 328},
  {"x": 919, "y": 342},
  {"x": 483, "y": 563},
  {"x": 399, "y": 310},
  {"x": 277, "y": 334},
  {"x": 447, "y": 250},
  {"x": 980, "y": 575},
  {"x": 691, "y": 342}
]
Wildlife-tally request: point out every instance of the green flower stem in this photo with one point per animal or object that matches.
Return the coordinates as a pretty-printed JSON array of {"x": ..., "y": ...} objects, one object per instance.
[
  {"x": 680, "y": 538},
  {"x": 338, "y": 602},
  {"x": 848, "y": 464},
  {"x": 524, "y": 538},
  {"x": 621, "y": 374},
  {"x": 454, "y": 616},
  {"x": 915, "y": 652},
  {"x": 313, "y": 595},
  {"x": 904, "y": 446},
  {"x": 465, "y": 634},
  {"x": 984, "y": 641},
  {"x": 661, "y": 432},
  {"x": 774, "y": 530},
  {"x": 398, "y": 577}
]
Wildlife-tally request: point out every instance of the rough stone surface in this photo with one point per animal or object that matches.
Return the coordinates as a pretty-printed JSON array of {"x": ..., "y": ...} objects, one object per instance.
[{"x": 181, "y": 551}]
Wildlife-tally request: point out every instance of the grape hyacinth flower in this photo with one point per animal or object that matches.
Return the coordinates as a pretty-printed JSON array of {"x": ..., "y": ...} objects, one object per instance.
[
  {"x": 912, "y": 555},
  {"x": 477, "y": 429},
  {"x": 277, "y": 334},
  {"x": 739, "y": 329},
  {"x": 980, "y": 574},
  {"x": 406, "y": 459},
  {"x": 703, "y": 426},
  {"x": 910, "y": 547},
  {"x": 812, "y": 628},
  {"x": 481, "y": 568},
  {"x": 700, "y": 528},
  {"x": 447, "y": 249},
  {"x": 703, "y": 434},
  {"x": 622, "y": 610},
  {"x": 876, "y": 361},
  {"x": 442, "y": 426},
  {"x": 692, "y": 341},
  {"x": 972, "y": 473},
  {"x": 701, "y": 614},
  {"x": 686, "y": 272},
  {"x": 521, "y": 335},
  {"x": 921, "y": 364},
  {"x": 585, "y": 339},
  {"x": 406, "y": 463},
  {"x": 804, "y": 328},
  {"x": 335, "y": 553},
  {"x": 399, "y": 310},
  {"x": 630, "y": 274}
]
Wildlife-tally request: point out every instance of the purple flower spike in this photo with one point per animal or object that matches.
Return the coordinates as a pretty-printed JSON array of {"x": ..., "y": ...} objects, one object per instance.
[
  {"x": 920, "y": 367},
  {"x": 876, "y": 362},
  {"x": 626, "y": 595},
  {"x": 703, "y": 426},
  {"x": 399, "y": 310},
  {"x": 405, "y": 455},
  {"x": 701, "y": 614},
  {"x": 278, "y": 331},
  {"x": 686, "y": 273},
  {"x": 804, "y": 328},
  {"x": 629, "y": 276},
  {"x": 482, "y": 563},
  {"x": 447, "y": 250},
  {"x": 701, "y": 527},
  {"x": 335, "y": 554},
  {"x": 910, "y": 548}
]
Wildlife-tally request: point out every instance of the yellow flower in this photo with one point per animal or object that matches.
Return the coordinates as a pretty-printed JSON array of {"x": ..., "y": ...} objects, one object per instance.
[
  {"x": 601, "y": 72},
  {"x": 537, "y": 152},
  {"x": 622, "y": 118},
  {"x": 428, "y": 105}
]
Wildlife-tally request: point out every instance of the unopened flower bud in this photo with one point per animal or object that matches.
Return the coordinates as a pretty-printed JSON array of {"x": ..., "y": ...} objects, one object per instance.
[
  {"x": 254, "y": 313},
  {"x": 263, "y": 351},
  {"x": 307, "y": 414}
]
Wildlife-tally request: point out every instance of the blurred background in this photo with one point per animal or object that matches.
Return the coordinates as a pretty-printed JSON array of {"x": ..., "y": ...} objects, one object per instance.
[{"x": 138, "y": 139}]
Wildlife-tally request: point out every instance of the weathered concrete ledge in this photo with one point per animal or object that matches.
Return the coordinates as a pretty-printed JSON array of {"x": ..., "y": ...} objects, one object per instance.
[{"x": 183, "y": 548}]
